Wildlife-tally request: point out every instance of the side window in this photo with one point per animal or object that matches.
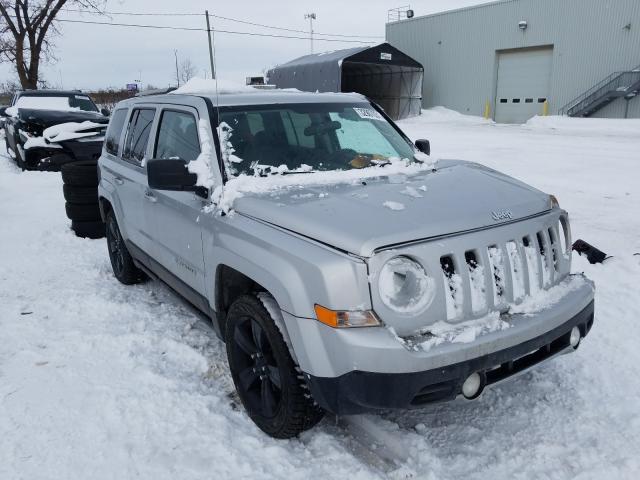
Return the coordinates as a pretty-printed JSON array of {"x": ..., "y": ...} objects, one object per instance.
[
  {"x": 177, "y": 136},
  {"x": 135, "y": 144},
  {"x": 114, "y": 132}
]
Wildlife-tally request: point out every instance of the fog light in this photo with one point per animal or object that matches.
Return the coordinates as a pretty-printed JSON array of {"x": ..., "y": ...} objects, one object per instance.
[
  {"x": 574, "y": 338},
  {"x": 472, "y": 386}
]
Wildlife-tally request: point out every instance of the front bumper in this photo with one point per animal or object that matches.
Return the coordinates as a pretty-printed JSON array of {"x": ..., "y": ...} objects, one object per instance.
[{"x": 362, "y": 391}]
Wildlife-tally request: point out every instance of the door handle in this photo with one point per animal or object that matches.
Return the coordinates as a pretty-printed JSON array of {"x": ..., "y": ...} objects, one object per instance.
[
  {"x": 118, "y": 180},
  {"x": 150, "y": 196}
]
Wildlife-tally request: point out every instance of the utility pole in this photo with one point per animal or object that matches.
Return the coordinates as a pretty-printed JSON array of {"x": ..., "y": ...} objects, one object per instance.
[
  {"x": 311, "y": 17},
  {"x": 175, "y": 52},
  {"x": 213, "y": 71}
]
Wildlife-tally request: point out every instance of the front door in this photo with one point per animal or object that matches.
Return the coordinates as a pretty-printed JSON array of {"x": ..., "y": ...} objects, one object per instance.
[{"x": 175, "y": 216}]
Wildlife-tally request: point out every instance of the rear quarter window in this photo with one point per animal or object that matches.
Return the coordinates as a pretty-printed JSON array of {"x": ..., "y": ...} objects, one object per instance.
[
  {"x": 114, "y": 132},
  {"x": 137, "y": 138}
]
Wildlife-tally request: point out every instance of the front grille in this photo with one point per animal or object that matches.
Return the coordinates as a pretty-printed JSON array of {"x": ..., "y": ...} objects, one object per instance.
[{"x": 492, "y": 277}]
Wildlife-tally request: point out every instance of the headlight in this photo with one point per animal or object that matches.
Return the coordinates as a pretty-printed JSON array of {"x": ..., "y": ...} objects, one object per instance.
[{"x": 404, "y": 286}]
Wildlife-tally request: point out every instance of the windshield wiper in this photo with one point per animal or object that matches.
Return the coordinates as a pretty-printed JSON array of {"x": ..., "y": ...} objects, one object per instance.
[{"x": 295, "y": 173}]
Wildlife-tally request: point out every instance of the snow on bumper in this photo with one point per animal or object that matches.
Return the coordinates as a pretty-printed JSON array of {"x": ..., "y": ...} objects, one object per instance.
[
  {"x": 322, "y": 351},
  {"x": 386, "y": 374}
]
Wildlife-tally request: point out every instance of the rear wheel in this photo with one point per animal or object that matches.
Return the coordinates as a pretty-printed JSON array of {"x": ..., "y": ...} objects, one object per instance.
[
  {"x": 266, "y": 379},
  {"x": 121, "y": 261}
]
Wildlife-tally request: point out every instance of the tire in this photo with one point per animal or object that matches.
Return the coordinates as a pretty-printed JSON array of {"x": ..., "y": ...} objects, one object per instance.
[
  {"x": 79, "y": 212},
  {"x": 265, "y": 375},
  {"x": 91, "y": 230},
  {"x": 121, "y": 261},
  {"x": 81, "y": 174},
  {"x": 82, "y": 195},
  {"x": 19, "y": 160}
]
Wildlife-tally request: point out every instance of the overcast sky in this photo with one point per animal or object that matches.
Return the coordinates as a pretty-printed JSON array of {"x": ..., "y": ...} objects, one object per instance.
[{"x": 95, "y": 56}]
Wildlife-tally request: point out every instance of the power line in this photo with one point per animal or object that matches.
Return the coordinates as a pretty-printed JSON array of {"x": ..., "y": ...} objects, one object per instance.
[
  {"x": 196, "y": 29},
  {"x": 230, "y": 19}
]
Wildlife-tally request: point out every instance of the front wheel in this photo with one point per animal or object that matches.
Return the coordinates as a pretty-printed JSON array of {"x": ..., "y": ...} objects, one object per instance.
[
  {"x": 266, "y": 379},
  {"x": 121, "y": 261}
]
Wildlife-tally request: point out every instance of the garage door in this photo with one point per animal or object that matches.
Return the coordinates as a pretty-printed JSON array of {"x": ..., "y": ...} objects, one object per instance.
[{"x": 523, "y": 84}]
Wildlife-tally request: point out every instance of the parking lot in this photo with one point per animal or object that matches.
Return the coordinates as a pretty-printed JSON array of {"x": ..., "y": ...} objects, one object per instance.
[{"x": 99, "y": 380}]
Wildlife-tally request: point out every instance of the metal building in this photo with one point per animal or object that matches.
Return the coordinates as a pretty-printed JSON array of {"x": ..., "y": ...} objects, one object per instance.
[
  {"x": 581, "y": 57},
  {"x": 383, "y": 73}
]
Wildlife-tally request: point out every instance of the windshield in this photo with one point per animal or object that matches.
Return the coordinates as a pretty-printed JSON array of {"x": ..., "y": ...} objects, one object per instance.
[
  {"x": 58, "y": 102},
  {"x": 305, "y": 137}
]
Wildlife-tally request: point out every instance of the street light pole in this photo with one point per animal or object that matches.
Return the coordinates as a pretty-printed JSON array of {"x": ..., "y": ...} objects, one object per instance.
[{"x": 311, "y": 17}]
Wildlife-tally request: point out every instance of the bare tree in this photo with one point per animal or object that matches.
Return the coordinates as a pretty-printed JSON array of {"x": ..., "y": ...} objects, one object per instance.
[
  {"x": 26, "y": 29},
  {"x": 187, "y": 70}
]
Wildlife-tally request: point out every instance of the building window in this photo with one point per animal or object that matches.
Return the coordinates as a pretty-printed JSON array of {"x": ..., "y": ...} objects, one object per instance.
[{"x": 516, "y": 100}]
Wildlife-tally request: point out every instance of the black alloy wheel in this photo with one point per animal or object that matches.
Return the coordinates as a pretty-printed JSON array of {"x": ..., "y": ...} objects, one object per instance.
[
  {"x": 268, "y": 382},
  {"x": 259, "y": 375},
  {"x": 121, "y": 261}
]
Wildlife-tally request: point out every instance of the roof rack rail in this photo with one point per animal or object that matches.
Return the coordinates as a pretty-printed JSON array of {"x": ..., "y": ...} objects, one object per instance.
[{"x": 155, "y": 91}]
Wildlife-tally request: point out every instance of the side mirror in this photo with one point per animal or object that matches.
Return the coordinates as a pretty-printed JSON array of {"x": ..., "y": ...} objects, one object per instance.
[
  {"x": 172, "y": 174},
  {"x": 105, "y": 112},
  {"x": 424, "y": 146}
]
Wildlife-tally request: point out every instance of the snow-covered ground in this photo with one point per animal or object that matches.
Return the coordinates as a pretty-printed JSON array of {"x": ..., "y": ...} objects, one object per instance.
[{"x": 103, "y": 381}]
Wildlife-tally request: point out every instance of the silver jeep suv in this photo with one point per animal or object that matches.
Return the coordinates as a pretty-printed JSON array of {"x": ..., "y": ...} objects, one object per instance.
[{"x": 344, "y": 270}]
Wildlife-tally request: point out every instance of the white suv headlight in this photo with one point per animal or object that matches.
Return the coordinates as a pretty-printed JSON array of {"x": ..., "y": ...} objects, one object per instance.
[{"x": 404, "y": 286}]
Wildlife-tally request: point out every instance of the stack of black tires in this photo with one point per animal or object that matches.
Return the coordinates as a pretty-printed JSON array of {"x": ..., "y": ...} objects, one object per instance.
[{"x": 81, "y": 194}]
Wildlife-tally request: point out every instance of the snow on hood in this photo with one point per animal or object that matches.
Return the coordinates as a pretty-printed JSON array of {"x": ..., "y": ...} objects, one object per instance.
[
  {"x": 72, "y": 130},
  {"x": 63, "y": 132},
  {"x": 352, "y": 211},
  {"x": 209, "y": 86}
]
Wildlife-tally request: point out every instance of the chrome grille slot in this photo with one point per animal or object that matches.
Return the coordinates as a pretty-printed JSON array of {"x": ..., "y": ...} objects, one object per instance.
[
  {"x": 454, "y": 296},
  {"x": 496, "y": 260},
  {"x": 553, "y": 239},
  {"x": 517, "y": 270},
  {"x": 477, "y": 282},
  {"x": 544, "y": 264}
]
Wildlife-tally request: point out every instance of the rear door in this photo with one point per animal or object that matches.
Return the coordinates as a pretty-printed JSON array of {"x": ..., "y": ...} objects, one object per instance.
[
  {"x": 175, "y": 216},
  {"x": 129, "y": 175}
]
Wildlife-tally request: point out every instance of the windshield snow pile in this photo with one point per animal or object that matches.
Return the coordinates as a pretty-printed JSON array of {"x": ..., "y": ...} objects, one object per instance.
[
  {"x": 41, "y": 103},
  {"x": 204, "y": 166}
]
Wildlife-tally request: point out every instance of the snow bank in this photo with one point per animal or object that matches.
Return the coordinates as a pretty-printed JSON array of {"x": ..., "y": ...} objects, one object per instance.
[
  {"x": 444, "y": 115},
  {"x": 209, "y": 86},
  {"x": 600, "y": 126}
]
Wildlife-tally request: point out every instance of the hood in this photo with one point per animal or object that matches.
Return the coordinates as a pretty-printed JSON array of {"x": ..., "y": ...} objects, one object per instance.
[
  {"x": 41, "y": 119},
  {"x": 455, "y": 197}
]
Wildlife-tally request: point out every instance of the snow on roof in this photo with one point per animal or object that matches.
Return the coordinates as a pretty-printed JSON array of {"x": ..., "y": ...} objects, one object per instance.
[{"x": 209, "y": 86}]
